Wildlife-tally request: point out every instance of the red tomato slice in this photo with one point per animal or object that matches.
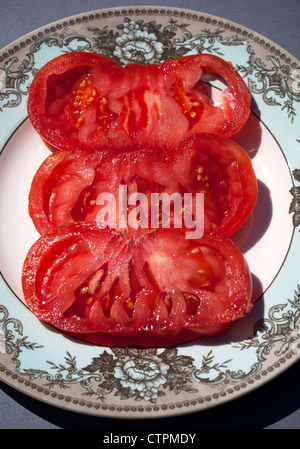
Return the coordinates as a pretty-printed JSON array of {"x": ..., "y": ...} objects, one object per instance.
[
  {"x": 61, "y": 93},
  {"x": 223, "y": 171},
  {"x": 182, "y": 80},
  {"x": 89, "y": 102},
  {"x": 67, "y": 186},
  {"x": 159, "y": 289}
]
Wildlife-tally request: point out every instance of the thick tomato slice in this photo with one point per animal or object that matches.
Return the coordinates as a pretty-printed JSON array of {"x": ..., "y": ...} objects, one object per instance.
[
  {"x": 63, "y": 93},
  {"x": 89, "y": 102},
  {"x": 114, "y": 191},
  {"x": 183, "y": 83},
  {"x": 68, "y": 186},
  {"x": 159, "y": 289},
  {"x": 223, "y": 171}
]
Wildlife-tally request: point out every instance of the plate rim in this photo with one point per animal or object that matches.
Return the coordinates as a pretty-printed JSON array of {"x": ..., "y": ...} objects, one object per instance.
[{"x": 238, "y": 28}]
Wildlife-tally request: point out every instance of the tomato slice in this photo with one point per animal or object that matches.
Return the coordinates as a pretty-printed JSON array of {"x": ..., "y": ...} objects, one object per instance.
[
  {"x": 183, "y": 82},
  {"x": 67, "y": 185},
  {"x": 159, "y": 289},
  {"x": 87, "y": 101},
  {"x": 62, "y": 91},
  {"x": 76, "y": 186},
  {"x": 223, "y": 171}
]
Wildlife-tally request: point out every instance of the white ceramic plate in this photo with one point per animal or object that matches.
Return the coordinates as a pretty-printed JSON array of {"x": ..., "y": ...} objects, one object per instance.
[{"x": 116, "y": 382}]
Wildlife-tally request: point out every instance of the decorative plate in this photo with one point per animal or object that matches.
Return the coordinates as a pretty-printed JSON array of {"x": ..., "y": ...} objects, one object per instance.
[{"x": 139, "y": 383}]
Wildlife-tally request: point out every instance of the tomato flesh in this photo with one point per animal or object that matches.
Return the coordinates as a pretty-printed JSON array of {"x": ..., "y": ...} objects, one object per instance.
[
  {"x": 223, "y": 171},
  {"x": 228, "y": 115},
  {"x": 89, "y": 102},
  {"x": 66, "y": 187},
  {"x": 158, "y": 289}
]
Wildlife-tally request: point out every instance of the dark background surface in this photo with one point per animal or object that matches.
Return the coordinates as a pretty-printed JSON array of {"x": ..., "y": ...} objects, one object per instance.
[{"x": 275, "y": 405}]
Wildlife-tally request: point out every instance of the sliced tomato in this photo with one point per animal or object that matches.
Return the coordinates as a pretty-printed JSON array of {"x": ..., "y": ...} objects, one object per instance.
[
  {"x": 89, "y": 102},
  {"x": 75, "y": 186},
  {"x": 223, "y": 171},
  {"x": 183, "y": 83},
  {"x": 68, "y": 186},
  {"x": 63, "y": 189},
  {"x": 159, "y": 289},
  {"x": 61, "y": 93}
]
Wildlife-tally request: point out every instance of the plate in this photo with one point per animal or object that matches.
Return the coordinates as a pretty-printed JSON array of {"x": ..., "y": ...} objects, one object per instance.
[{"x": 137, "y": 383}]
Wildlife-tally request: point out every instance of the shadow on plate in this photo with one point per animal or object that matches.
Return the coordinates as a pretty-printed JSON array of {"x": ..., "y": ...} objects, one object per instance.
[
  {"x": 249, "y": 136},
  {"x": 258, "y": 222}
]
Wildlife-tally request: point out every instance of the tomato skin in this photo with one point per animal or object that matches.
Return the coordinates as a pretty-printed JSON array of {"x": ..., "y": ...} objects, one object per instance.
[
  {"x": 101, "y": 287},
  {"x": 85, "y": 101}
]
